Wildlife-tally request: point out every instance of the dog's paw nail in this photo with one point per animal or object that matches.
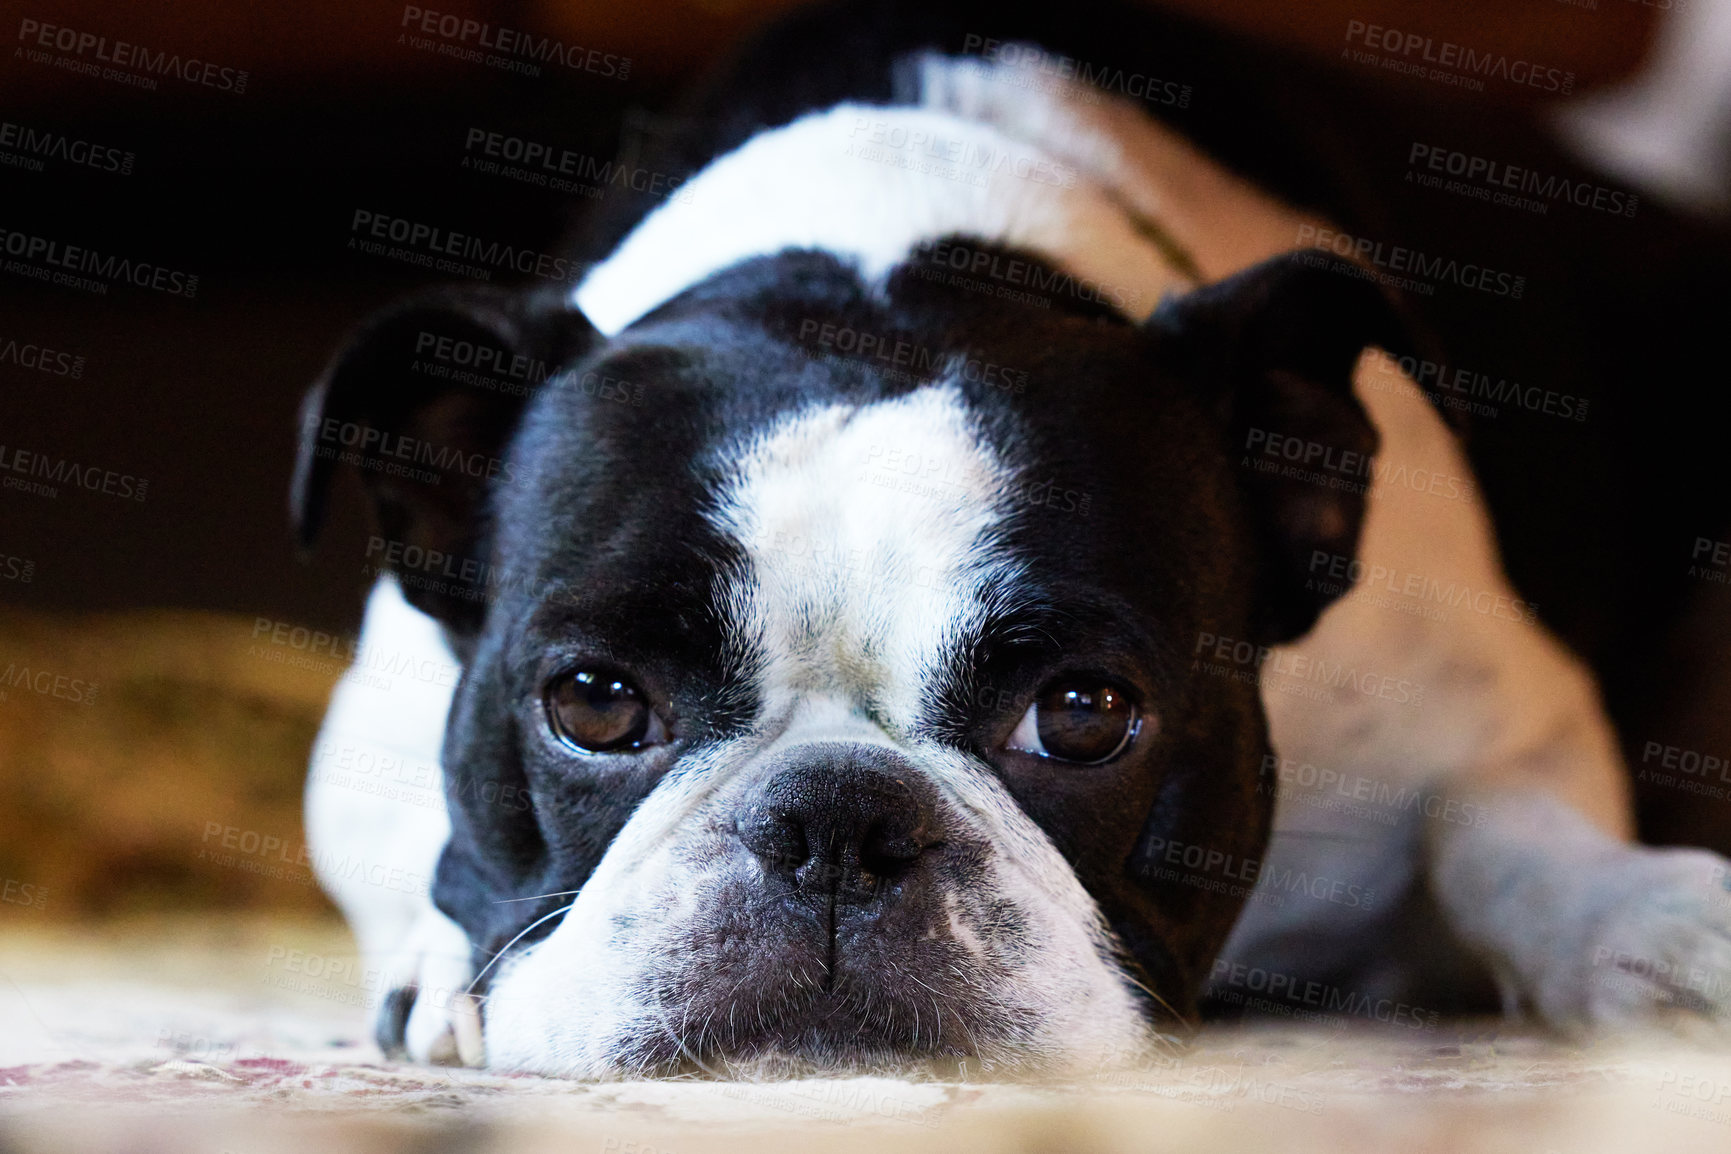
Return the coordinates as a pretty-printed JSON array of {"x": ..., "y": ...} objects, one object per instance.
[
  {"x": 466, "y": 1029},
  {"x": 443, "y": 1051}
]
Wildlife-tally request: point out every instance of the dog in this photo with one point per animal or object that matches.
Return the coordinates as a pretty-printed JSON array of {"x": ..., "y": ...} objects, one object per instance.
[{"x": 944, "y": 541}]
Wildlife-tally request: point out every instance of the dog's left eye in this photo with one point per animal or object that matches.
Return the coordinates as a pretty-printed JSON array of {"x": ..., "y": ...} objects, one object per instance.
[
  {"x": 601, "y": 713},
  {"x": 1079, "y": 720}
]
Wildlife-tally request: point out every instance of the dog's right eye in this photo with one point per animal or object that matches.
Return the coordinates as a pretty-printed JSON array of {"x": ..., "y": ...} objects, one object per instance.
[{"x": 595, "y": 712}]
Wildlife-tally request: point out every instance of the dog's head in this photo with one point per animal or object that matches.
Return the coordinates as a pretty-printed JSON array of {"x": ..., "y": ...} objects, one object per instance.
[{"x": 835, "y": 690}]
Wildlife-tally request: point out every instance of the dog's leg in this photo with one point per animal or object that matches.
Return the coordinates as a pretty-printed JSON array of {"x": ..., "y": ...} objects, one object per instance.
[
  {"x": 376, "y": 823},
  {"x": 1448, "y": 685},
  {"x": 1581, "y": 926}
]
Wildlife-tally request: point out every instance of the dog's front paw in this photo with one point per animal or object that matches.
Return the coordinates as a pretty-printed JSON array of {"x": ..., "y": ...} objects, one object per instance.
[
  {"x": 428, "y": 1014},
  {"x": 1655, "y": 946}
]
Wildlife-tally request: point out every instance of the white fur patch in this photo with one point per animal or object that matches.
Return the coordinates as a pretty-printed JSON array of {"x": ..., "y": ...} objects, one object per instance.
[
  {"x": 374, "y": 790},
  {"x": 1665, "y": 128},
  {"x": 375, "y": 809},
  {"x": 868, "y": 537},
  {"x": 870, "y": 185}
]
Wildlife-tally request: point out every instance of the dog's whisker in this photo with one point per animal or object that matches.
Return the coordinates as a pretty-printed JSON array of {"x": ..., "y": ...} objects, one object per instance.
[{"x": 490, "y": 962}]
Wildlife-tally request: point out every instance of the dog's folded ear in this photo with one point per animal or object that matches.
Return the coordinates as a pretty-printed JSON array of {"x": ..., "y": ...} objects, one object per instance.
[
  {"x": 1273, "y": 350},
  {"x": 422, "y": 401}
]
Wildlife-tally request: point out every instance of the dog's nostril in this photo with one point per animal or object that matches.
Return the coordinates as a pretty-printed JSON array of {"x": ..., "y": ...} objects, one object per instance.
[
  {"x": 886, "y": 851},
  {"x": 777, "y": 837}
]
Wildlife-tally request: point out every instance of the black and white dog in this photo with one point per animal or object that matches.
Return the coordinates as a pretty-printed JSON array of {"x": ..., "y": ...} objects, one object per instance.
[{"x": 923, "y": 558}]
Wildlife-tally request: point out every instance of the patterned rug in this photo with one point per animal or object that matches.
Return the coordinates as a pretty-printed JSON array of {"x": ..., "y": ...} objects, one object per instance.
[{"x": 246, "y": 1036}]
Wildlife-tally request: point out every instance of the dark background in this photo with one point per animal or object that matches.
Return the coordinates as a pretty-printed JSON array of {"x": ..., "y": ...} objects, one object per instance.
[{"x": 254, "y": 193}]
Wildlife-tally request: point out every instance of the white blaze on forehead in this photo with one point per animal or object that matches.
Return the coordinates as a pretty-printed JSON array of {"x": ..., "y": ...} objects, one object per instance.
[{"x": 868, "y": 534}]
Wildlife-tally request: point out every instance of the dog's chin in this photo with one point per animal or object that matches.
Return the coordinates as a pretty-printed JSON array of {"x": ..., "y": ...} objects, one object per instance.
[
  {"x": 860, "y": 1029},
  {"x": 832, "y": 1035},
  {"x": 823, "y": 1055},
  {"x": 857, "y": 1028},
  {"x": 832, "y": 1038}
]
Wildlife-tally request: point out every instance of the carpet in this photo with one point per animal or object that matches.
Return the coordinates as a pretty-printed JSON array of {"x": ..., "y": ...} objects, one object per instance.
[{"x": 249, "y": 1035}]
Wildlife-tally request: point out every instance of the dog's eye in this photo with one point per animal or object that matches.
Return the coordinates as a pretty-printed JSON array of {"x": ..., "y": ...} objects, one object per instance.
[
  {"x": 601, "y": 713},
  {"x": 1078, "y": 720}
]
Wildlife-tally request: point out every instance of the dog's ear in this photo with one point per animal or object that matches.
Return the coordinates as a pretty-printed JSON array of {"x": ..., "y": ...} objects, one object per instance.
[
  {"x": 422, "y": 401},
  {"x": 1273, "y": 350}
]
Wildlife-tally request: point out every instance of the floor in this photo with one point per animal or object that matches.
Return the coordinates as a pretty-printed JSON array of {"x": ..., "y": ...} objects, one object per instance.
[{"x": 249, "y": 1037}]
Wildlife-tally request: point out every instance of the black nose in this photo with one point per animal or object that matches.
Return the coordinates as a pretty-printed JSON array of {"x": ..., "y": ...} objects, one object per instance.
[{"x": 840, "y": 818}]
